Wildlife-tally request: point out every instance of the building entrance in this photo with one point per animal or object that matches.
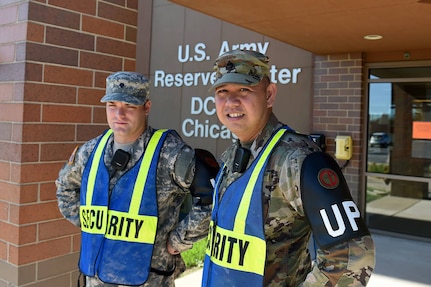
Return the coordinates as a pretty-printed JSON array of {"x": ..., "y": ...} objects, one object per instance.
[{"x": 398, "y": 172}]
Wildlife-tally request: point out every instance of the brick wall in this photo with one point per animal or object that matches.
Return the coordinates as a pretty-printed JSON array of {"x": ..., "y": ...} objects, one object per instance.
[
  {"x": 338, "y": 106},
  {"x": 54, "y": 58}
]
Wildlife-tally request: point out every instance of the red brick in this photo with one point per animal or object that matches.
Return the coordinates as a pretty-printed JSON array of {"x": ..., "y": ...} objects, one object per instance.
[
  {"x": 54, "y": 16},
  {"x": 10, "y": 191},
  {"x": 25, "y": 173},
  {"x": 34, "y": 213},
  {"x": 129, "y": 65},
  {"x": 48, "y": 191},
  {"x": 35, "y": 92},
  {"x": 35, "y": 32},
  {"x": 100, "y": 79},
  {"x": 4, "y": 211},
  {"x": 66, "y": 114},
  {"x": 33, "y": 72},
  {"x": 50, "y": 54},
  {"x": 88, "y": 96},
  {"x": 27, "y": 234},
  {"x": 55, "y": 152},
  {"x": 115, "y": 47},
  {"x": 29, "y": 153},
  {"x": 99, "y": 115},
  {"x": 131, "y": 34},
  {"x": 43, "y": 133},
  {"x": 117, "y": 2},
  {"x": 67, "y": 38},
  {"x": 117, "y": 13},
  {"x": 100, "y": 61},
  {"x": 9, "y": 232},
  {"x": 82, "y": 6},
  {"x": 133, "y": 4},
  {"x": 39, "y": 251},
  {"x": 14, "y": 193},
  {"x": 76, "y": 242},
  {"x": 56, "y": 228},
  {"x": 3, "y": 251},
  {"x": 28, "y": 193},
  {"x": 68, "y": 76},
  {"x": 87, "y": 132},
  {"x": 103, "y": 27},
  {"x": 31, "y": 113}
]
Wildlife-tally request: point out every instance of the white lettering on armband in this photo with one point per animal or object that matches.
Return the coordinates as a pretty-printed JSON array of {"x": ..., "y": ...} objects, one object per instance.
[{"x": 351, "y": 211}]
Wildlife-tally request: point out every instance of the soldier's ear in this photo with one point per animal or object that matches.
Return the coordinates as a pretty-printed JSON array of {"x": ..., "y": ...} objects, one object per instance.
[
  {"x": 147, "y": 107},
  {"x": 271, "y": 93}
]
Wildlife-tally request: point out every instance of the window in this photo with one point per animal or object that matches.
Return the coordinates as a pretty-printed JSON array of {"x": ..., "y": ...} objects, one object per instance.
[{"x": 398, "y": 172}]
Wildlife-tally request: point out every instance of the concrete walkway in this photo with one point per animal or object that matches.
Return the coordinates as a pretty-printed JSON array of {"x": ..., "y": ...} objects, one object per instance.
[{"x": 400, "y": 263}]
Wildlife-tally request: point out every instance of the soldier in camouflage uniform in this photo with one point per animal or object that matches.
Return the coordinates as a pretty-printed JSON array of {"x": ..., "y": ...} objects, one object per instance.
[
  {"x": 127, "y": 106},
  {"x": 276, "y": 223}
]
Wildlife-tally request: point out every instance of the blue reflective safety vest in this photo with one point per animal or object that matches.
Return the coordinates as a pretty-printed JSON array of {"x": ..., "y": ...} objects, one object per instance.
[
  {"x": 118, "y": 230},
  {"x": 236, "y": 247}
]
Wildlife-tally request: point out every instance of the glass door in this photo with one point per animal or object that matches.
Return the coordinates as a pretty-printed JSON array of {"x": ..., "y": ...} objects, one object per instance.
[{"x": 398, "y": 172}]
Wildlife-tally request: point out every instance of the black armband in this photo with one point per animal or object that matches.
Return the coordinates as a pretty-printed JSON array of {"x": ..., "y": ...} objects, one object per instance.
[
  {"x": 328, "y": 204},
  {"x": 206, "y": 169}
]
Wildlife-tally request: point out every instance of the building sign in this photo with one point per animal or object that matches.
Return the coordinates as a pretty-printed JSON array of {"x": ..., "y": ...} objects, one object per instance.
[{"x": 183, "y": 50}]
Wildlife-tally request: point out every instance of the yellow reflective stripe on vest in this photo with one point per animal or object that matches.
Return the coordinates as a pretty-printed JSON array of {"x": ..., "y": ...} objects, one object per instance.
[
  {"x": 95, "y": 166},
  {"x": 241, "y": 216},
  {"x": 131, "y": 227},
  {"x": 93, "y": 218},
  {"x": 230, "y": 250},
  {"x": 127, "y": 226},
  {"x": 141, "y": 179}
]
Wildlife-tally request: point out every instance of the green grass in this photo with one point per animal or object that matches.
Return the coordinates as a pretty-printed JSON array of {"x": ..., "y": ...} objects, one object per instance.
[{"x": 195, "y": 257}]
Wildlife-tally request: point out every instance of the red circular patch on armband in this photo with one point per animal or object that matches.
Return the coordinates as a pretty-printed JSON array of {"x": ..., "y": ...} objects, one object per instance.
[{"x": 328, "y": 178}]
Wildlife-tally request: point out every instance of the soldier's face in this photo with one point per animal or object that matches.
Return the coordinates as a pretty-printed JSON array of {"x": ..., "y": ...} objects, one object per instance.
[
  {"x": 244, "y": 110},
  {"x": 127, "y": 121}
]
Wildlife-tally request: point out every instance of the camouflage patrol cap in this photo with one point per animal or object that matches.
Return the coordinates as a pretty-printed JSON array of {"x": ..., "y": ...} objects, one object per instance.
[
  {"x": 241, "y": 67},
  {"x": 128, "y": 87}
]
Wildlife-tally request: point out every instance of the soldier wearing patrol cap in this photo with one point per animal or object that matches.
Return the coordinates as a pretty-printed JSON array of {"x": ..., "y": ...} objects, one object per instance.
[
  {"x": 275, "y": 189},
  {"x": 125, "y": 189}
]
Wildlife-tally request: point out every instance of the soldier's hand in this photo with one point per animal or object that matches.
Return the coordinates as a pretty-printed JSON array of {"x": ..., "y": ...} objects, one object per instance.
[{"x": 171, "y": 250}]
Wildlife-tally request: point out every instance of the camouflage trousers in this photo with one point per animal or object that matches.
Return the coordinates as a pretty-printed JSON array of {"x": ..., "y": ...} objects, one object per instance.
[{"x": 154, "y": 280}]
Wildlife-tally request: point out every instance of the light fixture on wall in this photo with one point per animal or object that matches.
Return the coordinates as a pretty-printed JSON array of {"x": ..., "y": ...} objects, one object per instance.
[{"x": 373, "y": 37}]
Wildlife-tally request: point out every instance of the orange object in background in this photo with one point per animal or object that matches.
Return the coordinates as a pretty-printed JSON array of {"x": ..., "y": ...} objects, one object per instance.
[{"x": 421, "y": 130}]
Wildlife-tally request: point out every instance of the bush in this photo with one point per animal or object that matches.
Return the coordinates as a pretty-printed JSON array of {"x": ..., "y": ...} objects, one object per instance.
[{"x": 195, "y": 257}]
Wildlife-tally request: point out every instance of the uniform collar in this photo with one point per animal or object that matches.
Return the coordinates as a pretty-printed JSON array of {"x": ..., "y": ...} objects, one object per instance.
[{"x": 256, "y": 145}]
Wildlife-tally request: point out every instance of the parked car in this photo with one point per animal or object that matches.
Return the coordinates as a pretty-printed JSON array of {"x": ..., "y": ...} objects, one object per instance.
[{"x": 380, "y": 139}]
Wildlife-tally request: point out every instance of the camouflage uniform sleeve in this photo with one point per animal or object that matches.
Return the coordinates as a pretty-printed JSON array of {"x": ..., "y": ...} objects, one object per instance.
[
  {"x": 348, "y": 264},
  {"x": 194, "y": 226},
  {"x": 68, "y": 183}
]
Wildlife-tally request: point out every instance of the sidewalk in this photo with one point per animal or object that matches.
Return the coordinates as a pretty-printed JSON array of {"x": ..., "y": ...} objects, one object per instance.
[{"x": 399, "y": 263}]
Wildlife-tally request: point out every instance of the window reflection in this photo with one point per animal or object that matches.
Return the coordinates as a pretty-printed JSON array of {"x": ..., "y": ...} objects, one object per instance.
[
  {"x": 398, "y": 181},
  {"x": 399, "y": 128}
]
